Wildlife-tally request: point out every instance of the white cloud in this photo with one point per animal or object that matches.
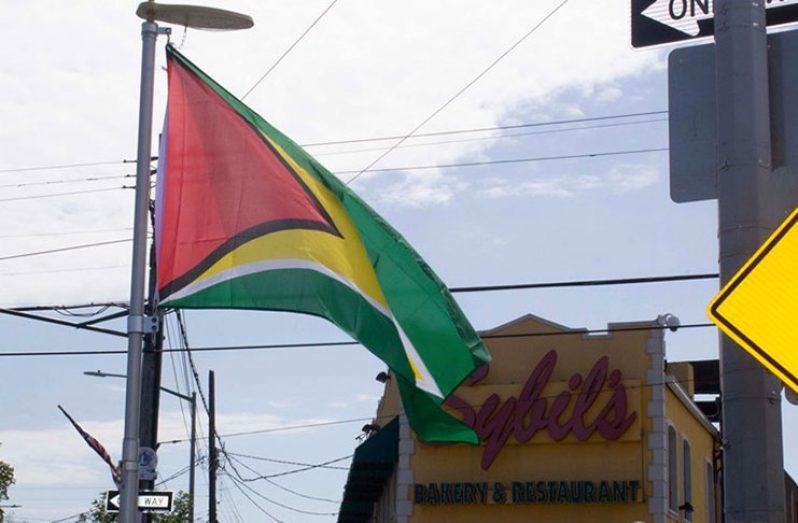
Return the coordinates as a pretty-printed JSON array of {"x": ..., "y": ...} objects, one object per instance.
[
  {"x": 280, "y": 404},
  {"x": 420, "y": 188},
  {"x": 619, "y": 179},
  {"x": 608, "y": 93},
  {"x": 503, "y": 188},
  {"x": 59, "y": 456},
  {"x": 632, "y": 177}
]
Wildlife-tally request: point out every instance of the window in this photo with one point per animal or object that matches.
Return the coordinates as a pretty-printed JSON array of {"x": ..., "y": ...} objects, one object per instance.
[
  {"x": 673, "y": 478},
  {"x": 710, "y": 492},
  {"x": 687, "y": 480}
]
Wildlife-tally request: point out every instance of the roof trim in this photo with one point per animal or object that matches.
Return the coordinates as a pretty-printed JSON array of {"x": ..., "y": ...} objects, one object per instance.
[{"x": 677, "y": 390}]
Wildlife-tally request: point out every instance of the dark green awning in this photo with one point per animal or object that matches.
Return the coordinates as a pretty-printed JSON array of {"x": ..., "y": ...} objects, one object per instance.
[{"x": 372, "y": 465}]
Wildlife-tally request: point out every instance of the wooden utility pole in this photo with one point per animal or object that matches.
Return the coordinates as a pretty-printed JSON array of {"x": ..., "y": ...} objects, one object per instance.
[{"x": 213, "y": 460}]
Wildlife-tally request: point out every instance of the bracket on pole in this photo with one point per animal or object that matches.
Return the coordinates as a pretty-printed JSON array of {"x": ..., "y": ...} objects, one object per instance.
[{"x": 142, "y": 324}]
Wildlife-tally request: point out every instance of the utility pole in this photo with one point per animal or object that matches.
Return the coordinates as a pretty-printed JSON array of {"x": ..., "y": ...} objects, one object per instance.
[
  {"x": 213, "y": 460},
  {"x": 193, "y": 450},
  {"x": 151, "y": 364},
  {"x": 753, "y": 469}
]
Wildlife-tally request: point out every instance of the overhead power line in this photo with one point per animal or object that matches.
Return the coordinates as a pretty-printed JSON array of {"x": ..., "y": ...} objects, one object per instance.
[
  {"x": 424, "y": 144},
  {"x": 311, "y": 345},
  {"x": 55, "y": 271},
  {"x": 501, "y": 162},
  {"x": 390, "y": 415},
  {"x": 286, "y": 462},
  {"x": 64, "y": 233},
  {"x": 286, "y": 489},
  {"x": 255, "y": 503},
  {"x": 55, "y": 321},
  {"x": 492, "y": 137},
  {"x": 64, "y": 249},
  {"x": 393, "y": 169},
  {"x": 69, "y": 518},
  {"x": 227, "y": 504},
  {"x": 174, "y": 476},
  {"x": 59, "y": 194},
  {"x": 296, "y": 427},
  {"x": 64, "y": 166},
  {"x": 61, "y": 307},
  {"x": 290, "y": 48},
  {"x": 587, "y": 283},
  {"x": 238, "y": 478},
  {"x": 185, "y": 346},
  {"x": 243, "y": 483},
  {"x": 482, "y": 288},
  {"x": 465, "y": 88},
  {"x": 495, "y": 128},
  {"x": 61, "y": 182},
  {"x": 300, "y": 494},
  {"x": 402, "y": 168},
  {"x": 393, "y": 137}
]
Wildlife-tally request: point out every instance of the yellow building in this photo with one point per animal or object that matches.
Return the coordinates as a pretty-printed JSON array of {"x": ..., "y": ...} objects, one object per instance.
[{"x": 574, "y": 427}]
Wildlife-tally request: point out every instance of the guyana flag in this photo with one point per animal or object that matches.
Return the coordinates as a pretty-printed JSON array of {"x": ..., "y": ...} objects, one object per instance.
[{"x": 248, "y": 220}]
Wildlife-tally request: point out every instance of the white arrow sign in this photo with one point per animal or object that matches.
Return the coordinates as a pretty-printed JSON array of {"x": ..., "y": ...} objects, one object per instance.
[
  {"x": 684, "y": 15},
  {"x": 156, "y": 501}
]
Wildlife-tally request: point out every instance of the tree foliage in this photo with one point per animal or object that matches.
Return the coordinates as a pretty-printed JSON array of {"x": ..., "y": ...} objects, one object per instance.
[
  {"x": 97, "y": 513},
  {"x": 6, "y": 480},
  {"x": 180, "y": 511}
]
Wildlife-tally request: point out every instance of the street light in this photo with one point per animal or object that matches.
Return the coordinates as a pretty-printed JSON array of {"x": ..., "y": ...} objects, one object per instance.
[
  {"x": 138, "y": 324},
  {"x": 192, "y": 445}
]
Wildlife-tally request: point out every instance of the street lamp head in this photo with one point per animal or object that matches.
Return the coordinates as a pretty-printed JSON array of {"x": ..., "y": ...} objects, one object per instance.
[
  {"x": 193, "y": 16},
  {"x": 103, "y": 374}
]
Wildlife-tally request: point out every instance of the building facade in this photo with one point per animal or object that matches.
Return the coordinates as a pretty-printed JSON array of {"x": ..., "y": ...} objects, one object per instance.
[{"x": 572, "y": 426}]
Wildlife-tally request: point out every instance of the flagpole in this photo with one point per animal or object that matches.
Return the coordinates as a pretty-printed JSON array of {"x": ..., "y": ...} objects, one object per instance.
[{"x": 136, "y": 323}]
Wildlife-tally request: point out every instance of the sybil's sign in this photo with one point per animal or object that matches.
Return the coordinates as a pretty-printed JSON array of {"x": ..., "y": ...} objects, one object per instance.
[{"x": 574, "y": 411}]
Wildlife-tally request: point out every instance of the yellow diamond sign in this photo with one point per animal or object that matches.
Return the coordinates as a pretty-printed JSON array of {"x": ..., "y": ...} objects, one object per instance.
[{"x": 758, "y": 307}]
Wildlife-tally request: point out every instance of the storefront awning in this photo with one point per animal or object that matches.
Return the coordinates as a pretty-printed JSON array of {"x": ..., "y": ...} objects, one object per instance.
[{"x": 372, "y": 466}]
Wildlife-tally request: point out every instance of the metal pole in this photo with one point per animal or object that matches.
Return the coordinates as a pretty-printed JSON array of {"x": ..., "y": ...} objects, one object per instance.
[
  {"x": 752, "y": 438},
  {"x": 212, "y": 458},
  {"x": 151, "y": 363},
  {"x": 128, "y": 510},
  {"x": 192, "y": 462}
]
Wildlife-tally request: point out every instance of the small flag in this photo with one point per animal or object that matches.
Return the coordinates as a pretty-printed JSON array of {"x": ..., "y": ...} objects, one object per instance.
[
  {"x": 246, "y": 219},
  {"x": 96, "y": 446}
]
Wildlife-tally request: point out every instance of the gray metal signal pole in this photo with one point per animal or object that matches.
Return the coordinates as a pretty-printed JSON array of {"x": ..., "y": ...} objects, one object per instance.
[
  {"x": 136, "y": 325},
  {"x": 187, "y": 16},
  {"x": 753, "y": 469}
]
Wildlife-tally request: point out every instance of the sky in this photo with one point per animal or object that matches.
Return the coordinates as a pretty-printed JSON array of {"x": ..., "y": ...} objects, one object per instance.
[{"x": 69, "y": 77}]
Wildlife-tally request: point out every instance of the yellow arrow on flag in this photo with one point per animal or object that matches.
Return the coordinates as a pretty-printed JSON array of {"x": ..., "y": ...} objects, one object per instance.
[{"x": 758, "y": 307}]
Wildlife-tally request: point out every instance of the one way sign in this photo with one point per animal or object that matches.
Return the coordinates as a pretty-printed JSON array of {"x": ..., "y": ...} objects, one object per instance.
[
  {"x": 664, "y": 21},
  {"x": 150, "y": 501}
]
